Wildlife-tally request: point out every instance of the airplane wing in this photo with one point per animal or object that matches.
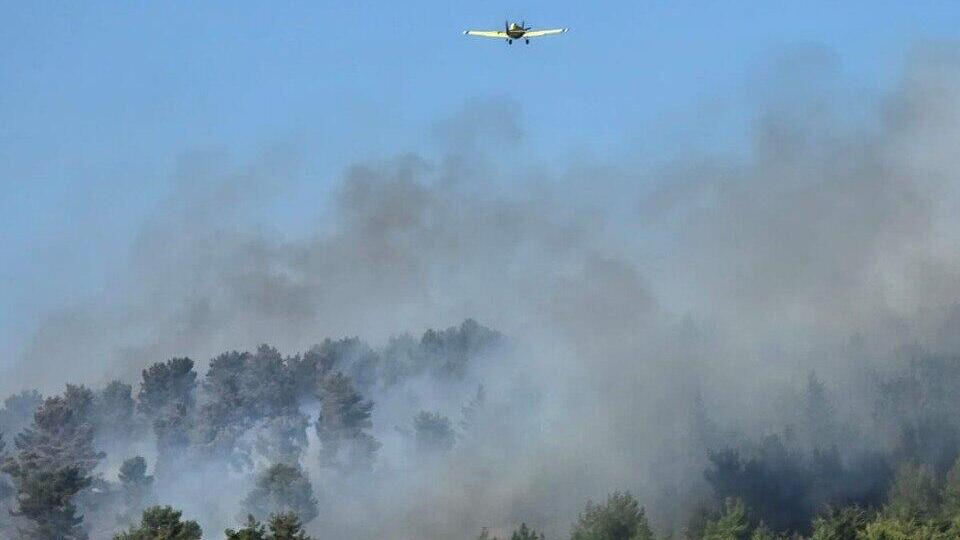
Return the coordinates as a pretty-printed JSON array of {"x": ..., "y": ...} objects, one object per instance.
[
  {"x": 539, "y": 33},
  {"x": 487, "y": 34}
]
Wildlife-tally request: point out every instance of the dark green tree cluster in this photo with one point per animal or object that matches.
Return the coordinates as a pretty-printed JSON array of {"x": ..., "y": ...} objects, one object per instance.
[
  {"x": 53, "y": 462},
  {"x": 247, "y": 392},
  {"x": 620, "y": 518},
  {"x": 445, "y": 354},
  {"x": 251, "y": 415},
  {"x": 162, "y": 523},
  {"x": 920, "y": 506},
  {"x": 249, "y": 412}
]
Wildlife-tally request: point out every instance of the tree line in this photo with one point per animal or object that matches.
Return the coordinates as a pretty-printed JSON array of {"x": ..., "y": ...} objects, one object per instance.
[
  {"x": 886, "y": 470},
  {"x": 247, "y": 414}
]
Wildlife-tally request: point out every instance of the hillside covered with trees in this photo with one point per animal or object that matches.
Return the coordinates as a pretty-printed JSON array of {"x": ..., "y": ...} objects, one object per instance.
[{"x": 266, "y": 446}]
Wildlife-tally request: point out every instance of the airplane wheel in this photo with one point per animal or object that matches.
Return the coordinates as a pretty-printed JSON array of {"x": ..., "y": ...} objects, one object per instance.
[
  {"x": 528, "y": 42},
  {"x": 510, "y": 41}
]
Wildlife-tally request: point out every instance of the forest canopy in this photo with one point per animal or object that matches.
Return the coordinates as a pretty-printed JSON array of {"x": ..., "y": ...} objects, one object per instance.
[{"x": 292, "y": 435}]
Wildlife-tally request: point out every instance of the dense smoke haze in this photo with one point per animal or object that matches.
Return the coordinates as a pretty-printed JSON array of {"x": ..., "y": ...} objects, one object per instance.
[{"x": 632, "y": 328}]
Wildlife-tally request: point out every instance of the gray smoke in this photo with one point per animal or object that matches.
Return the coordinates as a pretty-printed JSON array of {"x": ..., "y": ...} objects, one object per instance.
[{"x": 727, "y": 278}]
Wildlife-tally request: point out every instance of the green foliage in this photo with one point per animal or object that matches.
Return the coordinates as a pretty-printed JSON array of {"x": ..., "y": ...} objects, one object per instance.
[
  {"x": 46, "y": 498},
  {"x": 252, "y": 530},
  {"x": 167, "y": 397},
  {"x": 60, "y": 436},
  {"x": 888, "y": 528},
  {"x": 54, "y": 459},
  {"x": 441, "y": 353},
  {"x": 526, "y": 533},
  {"x": 771, "y": 479},
  {"x": 167, "y": 384},
  {"x": 286, "y": 526},
  {"x": 245, "y": 391},
  {"x": 731, "y": 525},
  {"x": 282, "y": 438},
  {"x": 697, "y": 523},
  {"x": 914, "y": 495},
  {"x": 449, "y": 351},
  {"x": 162, "y": 523},
  {"x": 353, "y": 357},
  {"x": 79, "y": 399},
  {"x": 282, "y": 489},
  {"x": 840, "y": 524},
  {"x": 134, "y": 472},
  {"x": 620, "y": 518},
  {"x": 343, "y": 424},
  {"x": 114, "y": 411},
  {"x": 951, "y": 491},
  {"x": 763, "y": 532}
]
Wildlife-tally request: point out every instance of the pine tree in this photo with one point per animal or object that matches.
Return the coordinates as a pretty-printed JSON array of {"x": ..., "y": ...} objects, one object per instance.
[
  {"x": 620, "y": 518},
  {"x": 45, "y": 498},
  {"x": 251, "y": 392},
  {"x": 526, "y": 533},
  {"x": 840, "y": 524},
  {"x": 286, "y": 526},
  {"x": 252, "y": 530},
  {"x": 762, "y": 532},
  {"x": 167, "y": 398},
  {"x": 54, "y": 459},
  {"x": 343, "y": 424},
  {"x": 114, "y": 412},
  {"x": 162, "y": 523},
  {"x": 914, "y": 495},
  {"x": 731, "y": 525},
  {"x": 282, "y": 489},
  {"x": 166, "y": 385},
  {"x": 951, "y": 491}
]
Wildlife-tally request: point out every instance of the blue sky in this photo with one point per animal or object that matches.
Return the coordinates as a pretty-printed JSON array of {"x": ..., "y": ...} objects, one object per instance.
[{"x": 99, "y": 100}]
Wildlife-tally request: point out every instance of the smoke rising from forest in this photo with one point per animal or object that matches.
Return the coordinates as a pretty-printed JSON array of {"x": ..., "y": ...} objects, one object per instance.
[{"x": 757, "y": 306}]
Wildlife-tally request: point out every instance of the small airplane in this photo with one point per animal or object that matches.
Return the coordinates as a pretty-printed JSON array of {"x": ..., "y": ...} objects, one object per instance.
[{"x": 512, "y": 31}]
